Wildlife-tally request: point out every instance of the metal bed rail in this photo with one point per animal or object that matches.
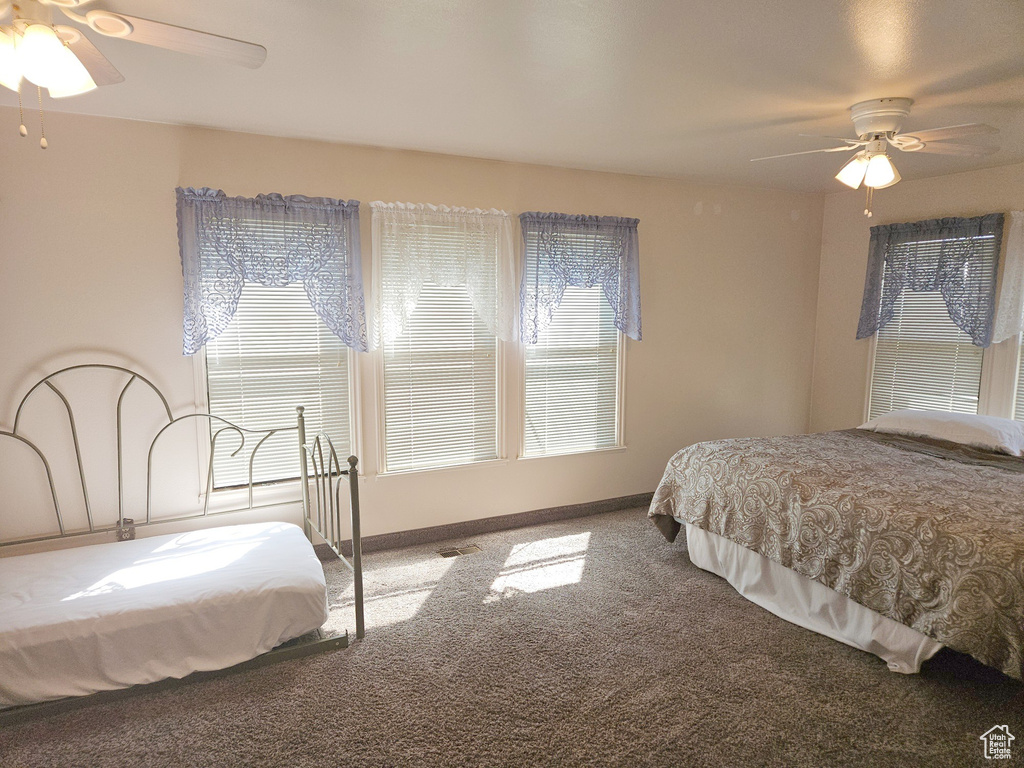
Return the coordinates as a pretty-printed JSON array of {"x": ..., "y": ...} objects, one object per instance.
[{"x": 322, "y": 509}]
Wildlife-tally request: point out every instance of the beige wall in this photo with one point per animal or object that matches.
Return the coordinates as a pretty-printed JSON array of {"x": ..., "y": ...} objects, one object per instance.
[
  {"x": 89, "y": 270},
  {"x": 840, "y": 361}
]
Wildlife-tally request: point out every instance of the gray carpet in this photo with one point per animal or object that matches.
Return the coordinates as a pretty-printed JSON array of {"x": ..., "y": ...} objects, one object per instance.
[{"x": 583, "y": 642}]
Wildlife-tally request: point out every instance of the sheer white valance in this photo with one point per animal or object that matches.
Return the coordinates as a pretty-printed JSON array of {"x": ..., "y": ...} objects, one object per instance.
[
  {"x": 416, "y": 244},
  {"x": 1010, "y": 311}
]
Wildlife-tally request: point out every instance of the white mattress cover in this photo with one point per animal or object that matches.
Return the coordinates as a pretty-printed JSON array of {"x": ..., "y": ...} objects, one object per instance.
[
  {"x": 806, "y": 603},
  {"x": 107, "y": 616}
]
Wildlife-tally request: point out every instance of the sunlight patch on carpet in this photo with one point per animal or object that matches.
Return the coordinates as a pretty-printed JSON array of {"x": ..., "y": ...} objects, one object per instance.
[
  {"x": 393, "y": 594},
  {"x": 540, "y": 565}
]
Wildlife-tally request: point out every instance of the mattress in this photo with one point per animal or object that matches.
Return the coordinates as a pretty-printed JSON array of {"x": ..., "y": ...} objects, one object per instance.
[
  {"x": 109, "y": 616},
  {"x": 809, "y": 604}
]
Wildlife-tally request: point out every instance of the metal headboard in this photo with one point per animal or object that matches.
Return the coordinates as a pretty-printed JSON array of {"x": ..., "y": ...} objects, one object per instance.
[
  {"x": 49, "y": 384},
  {"x": 125, "y": 525}
]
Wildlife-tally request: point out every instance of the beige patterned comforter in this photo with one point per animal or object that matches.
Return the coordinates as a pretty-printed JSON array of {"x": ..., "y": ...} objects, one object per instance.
[{"x": 928, "y": 535}]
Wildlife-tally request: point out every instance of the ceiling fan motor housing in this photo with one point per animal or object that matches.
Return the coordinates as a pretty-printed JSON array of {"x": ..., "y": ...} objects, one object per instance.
[{"x": 879, "y": 116}]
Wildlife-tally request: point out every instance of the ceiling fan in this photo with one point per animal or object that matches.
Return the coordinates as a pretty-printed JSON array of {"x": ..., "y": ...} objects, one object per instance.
[
  {"x": 61, "y": 59},
  {"x": 878, "y": 123}
]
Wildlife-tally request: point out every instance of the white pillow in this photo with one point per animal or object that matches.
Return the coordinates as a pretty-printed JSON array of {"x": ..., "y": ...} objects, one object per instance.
[{"x": 989, "y": 432}]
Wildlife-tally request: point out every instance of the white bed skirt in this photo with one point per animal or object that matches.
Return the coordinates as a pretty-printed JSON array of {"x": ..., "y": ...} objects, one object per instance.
[
  {"x": 809, "y": 604},
  {"x": 95, "y": 618}
]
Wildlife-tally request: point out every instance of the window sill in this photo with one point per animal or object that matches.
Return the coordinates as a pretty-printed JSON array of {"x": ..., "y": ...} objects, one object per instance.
[
  {"x": 237, "y": 499},
  {"x": 270, "y": 495},
  {"x": 584, "y": 452},
  {"x": 451, "y": 468}
]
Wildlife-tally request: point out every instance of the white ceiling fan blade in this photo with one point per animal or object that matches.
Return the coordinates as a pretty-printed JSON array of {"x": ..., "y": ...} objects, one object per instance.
[
  {"x": 179, "y": 39},
  {"x": 951, "y": 132},
  {"x": 98, "y": 66},
  {"x": 805, "y": 152},
  {"x": 938, "y": 148},
  {"x": 858, "y": 142}
]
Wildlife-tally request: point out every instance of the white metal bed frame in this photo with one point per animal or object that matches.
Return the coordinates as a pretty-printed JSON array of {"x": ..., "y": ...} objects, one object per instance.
[{"x": 319, "y": 466}]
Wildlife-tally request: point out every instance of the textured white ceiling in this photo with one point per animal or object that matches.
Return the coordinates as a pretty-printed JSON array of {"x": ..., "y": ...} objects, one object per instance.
[{"x": 689, "y": 89}]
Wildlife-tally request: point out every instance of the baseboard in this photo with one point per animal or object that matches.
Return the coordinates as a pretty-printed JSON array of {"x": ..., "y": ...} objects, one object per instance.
[{"x": 468, "y": 528}]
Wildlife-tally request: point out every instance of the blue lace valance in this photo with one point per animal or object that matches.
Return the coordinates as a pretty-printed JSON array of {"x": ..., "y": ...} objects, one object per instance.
[
  {"x": 959, "y": 258},
  {"x": 271, "y": 240},
  {"x": 582, "y": 251}
]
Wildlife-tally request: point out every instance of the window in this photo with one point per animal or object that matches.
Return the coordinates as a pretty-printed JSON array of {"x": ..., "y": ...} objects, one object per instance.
[
  {"x": 444, "y": 297},
  {"x": 275, "y": 354},
  {"x": 924, "y": 361},
  {"x": 273, "y": 290},
  {"x": 929, "y": 299},
  {"x": 440, "y": 385},
  {"x": 580, "y": 294},
  {"x": 572, "y": 378}
]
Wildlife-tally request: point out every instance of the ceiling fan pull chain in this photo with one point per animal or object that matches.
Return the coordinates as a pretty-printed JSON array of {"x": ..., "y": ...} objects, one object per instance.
[
  {"x": 42, "y": 128},
  {"x": 870, "y": 202},
  {"x": 22, "y": 130}
]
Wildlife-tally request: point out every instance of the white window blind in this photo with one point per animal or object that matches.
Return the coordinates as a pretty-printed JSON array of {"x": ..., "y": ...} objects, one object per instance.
[
  {"x": 923, "y": 360},
  {"x": 440, "y": 385},
  {"x": 275, "y": 355},
  {"x": 572, "y": 378}
]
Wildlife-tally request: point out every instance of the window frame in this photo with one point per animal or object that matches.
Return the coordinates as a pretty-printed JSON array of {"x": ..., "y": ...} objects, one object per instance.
[
  {"x": 620, "y": 406},
  {"x": 501, "y": 355},
  {"x": 997, "y": 388},
  {"x": 272, "y": 491},
  {"x": 1000, "y": 363},
  {"x": 999, "y": 378}
]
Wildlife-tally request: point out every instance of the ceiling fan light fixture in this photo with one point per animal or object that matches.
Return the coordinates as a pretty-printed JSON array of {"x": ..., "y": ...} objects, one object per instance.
[
  {"x": 74, "y": 79},
  {"x": 41, "y": 55},
  {"x": 46, "y": 61},
  {"x": 10, "y": 69},
  {"x": 852, "y": 174},
  {"x": 880, "y": 172},
  {"x": 896, "y": 178}
]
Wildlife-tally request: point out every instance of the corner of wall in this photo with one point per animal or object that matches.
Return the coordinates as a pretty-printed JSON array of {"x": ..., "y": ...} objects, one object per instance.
[{"x": 823, "y": 199}]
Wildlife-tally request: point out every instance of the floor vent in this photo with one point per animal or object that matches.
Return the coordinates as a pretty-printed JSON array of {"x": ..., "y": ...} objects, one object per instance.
[{"x": 469, "y": 549}]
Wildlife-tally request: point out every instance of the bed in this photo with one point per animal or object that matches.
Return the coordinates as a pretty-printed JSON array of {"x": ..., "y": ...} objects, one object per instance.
[
  {"x": 111, "y": 615},
  {"x": 892, "y": 543}
]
